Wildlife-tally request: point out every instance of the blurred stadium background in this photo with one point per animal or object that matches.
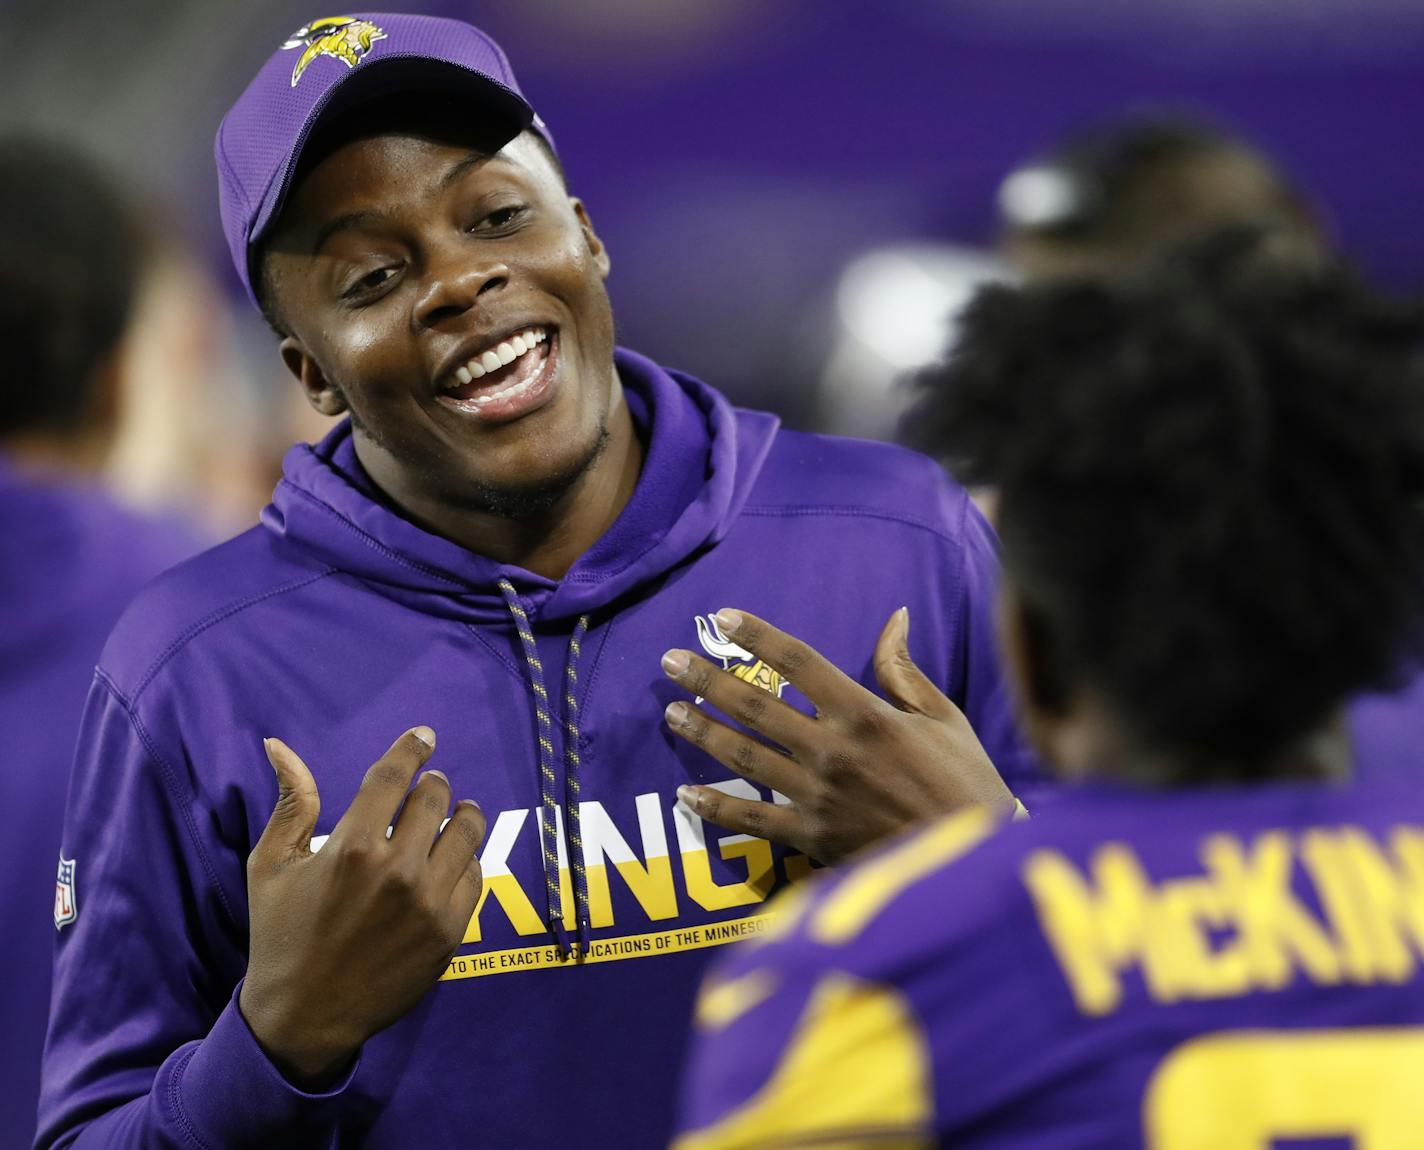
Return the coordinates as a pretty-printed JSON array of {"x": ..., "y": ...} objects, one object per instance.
[{"x": 790, "y": 189}]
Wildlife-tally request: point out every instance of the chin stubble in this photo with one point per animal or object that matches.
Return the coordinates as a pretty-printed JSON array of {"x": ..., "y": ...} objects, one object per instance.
[{"x": 520, "y": 503}]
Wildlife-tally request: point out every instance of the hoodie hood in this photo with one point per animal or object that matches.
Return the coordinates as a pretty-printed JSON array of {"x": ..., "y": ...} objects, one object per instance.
[{"x": 702, "y": 458}]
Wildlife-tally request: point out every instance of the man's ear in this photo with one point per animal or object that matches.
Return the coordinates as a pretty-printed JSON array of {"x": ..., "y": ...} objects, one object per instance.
[
  {"x": 323, "y": 395},
  {"x": 595, "y": 245}
]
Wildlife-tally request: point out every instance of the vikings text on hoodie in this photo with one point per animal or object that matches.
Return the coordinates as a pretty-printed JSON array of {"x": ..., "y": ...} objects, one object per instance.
[{"x": 336, "y": 625}]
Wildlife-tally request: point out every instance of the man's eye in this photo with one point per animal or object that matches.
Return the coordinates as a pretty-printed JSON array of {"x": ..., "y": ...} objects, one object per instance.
[
  {"x": 369, "y": 282},
  {"x": 502, "y": 217}
]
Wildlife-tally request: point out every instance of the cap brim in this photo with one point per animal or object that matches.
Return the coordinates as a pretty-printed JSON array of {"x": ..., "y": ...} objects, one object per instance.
[{"x": 502, "y": 112}]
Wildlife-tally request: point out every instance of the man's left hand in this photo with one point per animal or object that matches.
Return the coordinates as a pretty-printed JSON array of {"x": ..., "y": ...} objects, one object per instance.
[{"x": 860, "y": 771}]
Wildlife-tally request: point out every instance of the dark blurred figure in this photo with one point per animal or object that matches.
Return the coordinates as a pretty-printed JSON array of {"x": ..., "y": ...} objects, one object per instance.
[
  {"x": 70, "y": 262},
  {"x": 1144, "y": 193},
  {"x": 1127, "y": 192}
]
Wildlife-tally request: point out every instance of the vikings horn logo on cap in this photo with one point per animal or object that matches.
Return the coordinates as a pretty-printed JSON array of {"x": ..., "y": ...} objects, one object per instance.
[{"x": 344, "y": 38}]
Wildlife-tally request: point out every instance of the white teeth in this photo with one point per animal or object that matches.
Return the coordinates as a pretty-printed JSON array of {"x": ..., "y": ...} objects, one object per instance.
[
  {"x": 506, "y": 352},
  {"x": 504, "y": 393}
]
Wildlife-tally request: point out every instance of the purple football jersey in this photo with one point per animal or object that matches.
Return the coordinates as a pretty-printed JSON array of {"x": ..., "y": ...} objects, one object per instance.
[{"x": 1175, "y": 970}]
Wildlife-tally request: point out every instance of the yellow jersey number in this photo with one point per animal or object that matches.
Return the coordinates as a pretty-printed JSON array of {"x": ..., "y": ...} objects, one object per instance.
[{"x": 1246, "y": 1090}]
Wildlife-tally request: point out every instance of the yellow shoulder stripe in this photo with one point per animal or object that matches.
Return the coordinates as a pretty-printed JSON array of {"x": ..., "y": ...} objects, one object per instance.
[
  {"x": 722, "y": 1001},
  {"x": 786, "y": 911},
  {"x": 855, "y": 1072},
  {"x": 871, "y": 887}
]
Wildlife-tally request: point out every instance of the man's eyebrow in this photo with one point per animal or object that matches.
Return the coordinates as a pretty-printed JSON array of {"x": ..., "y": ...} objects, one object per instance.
[
  {"x": 458, "y": 169},
  {"x": 357, "y": 219},
  {"x": 341, "y": 224}
]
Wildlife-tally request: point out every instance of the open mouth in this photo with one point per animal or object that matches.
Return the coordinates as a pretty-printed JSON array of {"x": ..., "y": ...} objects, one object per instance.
[{"x": 505, "y": 380}]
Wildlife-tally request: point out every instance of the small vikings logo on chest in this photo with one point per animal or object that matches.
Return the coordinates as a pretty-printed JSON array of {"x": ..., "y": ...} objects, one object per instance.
[
  {"x": 737, "y": 661},
  {"x": 343, "y": 38}
]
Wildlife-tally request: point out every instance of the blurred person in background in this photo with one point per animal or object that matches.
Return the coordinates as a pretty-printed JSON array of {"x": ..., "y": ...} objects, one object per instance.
[
  {"x": 1213, "y": 537},
  {"x": 1109, "y": 199},
  {"x": 71, "y": 262},
  {"x": 1123, "y": 193},
  {"x": 197, "y": 433}
]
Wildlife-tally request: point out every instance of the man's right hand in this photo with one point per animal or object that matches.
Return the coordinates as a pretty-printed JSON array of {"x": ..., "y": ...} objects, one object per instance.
[{"x": 347, "y": 940}]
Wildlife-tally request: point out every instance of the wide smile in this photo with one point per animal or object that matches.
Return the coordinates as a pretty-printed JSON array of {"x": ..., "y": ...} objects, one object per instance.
[{"x": 506, "y": 380}]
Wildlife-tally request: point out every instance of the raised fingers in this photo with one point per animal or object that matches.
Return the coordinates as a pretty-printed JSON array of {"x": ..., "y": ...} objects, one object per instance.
[
  {"x": 458, "y": 844},
  {"x": 797, "y": 662},
  {"x": 425, "y": 809},
  {"x": 385, "y": 786},
  {"x": 771, "y": 821},
  {"x": 749, "y": 705},
  {"x": 735, "y": 750},
  {"x": 904, "y": 684}
]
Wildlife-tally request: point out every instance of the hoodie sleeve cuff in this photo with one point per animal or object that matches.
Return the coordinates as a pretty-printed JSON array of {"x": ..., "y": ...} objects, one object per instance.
[{"x": 231, "y": 1095}]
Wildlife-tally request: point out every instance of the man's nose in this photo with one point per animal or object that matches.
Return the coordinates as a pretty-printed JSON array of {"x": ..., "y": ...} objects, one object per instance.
[{"x": 454, "y": 281}]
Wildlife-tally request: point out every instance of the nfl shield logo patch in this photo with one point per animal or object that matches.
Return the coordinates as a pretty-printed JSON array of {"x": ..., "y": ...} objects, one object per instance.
[{"x": 66, "y": 910}]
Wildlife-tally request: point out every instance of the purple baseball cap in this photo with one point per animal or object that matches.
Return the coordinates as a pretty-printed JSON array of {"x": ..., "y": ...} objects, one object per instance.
[{"x": 329, "y": 66}]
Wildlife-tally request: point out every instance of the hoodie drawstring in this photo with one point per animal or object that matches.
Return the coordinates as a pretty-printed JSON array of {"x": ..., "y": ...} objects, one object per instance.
[
  {"x": 548, "y": 780},
  {"x": 573, "y": 764}
]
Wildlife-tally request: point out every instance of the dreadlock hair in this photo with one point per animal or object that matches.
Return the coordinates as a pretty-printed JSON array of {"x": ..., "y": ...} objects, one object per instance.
[{"x": 1211, "y": 486}]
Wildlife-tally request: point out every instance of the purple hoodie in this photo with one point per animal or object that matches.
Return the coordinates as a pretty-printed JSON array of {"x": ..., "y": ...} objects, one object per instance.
[
  {"x": 338, "y": 624},
  {"x": 73, "y": 559},
  {"x": 1388, "y": 731}
]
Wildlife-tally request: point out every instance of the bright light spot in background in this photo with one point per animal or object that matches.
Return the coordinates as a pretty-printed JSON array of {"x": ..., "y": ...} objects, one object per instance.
[
  {"x": 895, "y": 310},
  {"x": 1039, "y": 197},
  {"x": 899, "y": 301}
]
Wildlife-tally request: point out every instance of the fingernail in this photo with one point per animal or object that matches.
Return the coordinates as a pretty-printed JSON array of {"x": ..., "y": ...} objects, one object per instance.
[
  {"x": 676, "y": 662},
  {"x": 424, "y": 734},
  {"x": 437, "y": 774},
  {"x": 728, "y": 620},
  {"x": 905, "y": 622},
  {"x": 267, "y": 750},
  {"x": 689, "y": 797},
  {"x": 676, "y": 714}
]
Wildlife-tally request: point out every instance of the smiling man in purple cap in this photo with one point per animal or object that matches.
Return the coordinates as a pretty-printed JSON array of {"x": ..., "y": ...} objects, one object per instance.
[{"x": 516, "y": 521}]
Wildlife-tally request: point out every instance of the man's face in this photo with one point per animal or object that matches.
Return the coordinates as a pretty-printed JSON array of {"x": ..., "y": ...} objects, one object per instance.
[{"x": 409, "y": 268}]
